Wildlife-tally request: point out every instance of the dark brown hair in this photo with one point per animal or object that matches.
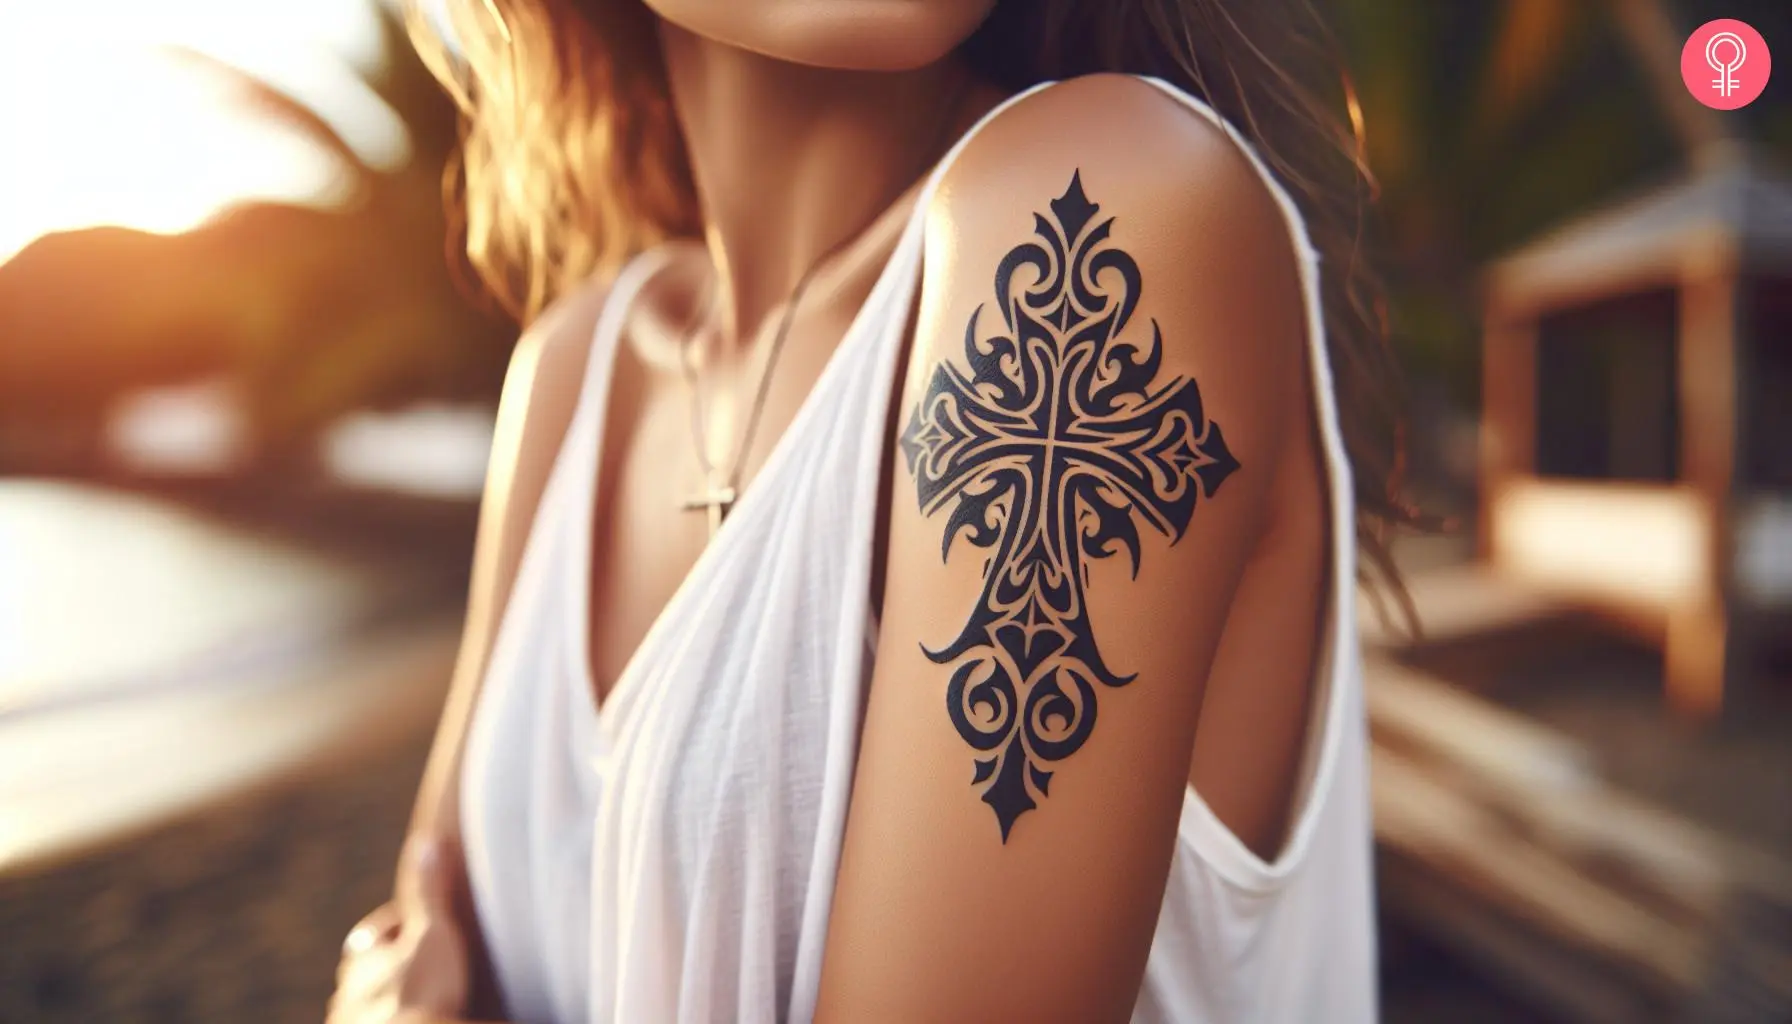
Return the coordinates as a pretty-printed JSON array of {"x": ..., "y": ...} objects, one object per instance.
[{"x": 573, "y": 161}]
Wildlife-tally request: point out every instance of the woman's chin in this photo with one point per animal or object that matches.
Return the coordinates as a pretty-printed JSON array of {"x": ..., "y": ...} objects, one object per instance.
[{"x": 843, "y": 35}]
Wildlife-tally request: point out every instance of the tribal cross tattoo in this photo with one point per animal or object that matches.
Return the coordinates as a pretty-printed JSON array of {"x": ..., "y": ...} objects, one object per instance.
[{"x": 1050, "y": 450}]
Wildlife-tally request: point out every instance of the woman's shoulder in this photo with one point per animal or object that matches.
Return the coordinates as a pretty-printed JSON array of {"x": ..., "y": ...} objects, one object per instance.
[
  {"x": 555, "y": 346},
  {"x": 1119, "y": 174},
  {"x": 1155, "y": 148},
  {"x": 547, "y": 366},
  {"x": 540, "y": 396}
]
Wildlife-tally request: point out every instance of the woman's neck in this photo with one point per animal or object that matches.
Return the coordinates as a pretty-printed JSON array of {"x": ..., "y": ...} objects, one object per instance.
[{"x": 790, "y": 161}]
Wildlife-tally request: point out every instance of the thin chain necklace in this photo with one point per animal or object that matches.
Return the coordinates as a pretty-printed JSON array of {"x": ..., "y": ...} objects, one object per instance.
[
  {"x": 719, "y": 497},
  {"x": 721, "y": 492}
]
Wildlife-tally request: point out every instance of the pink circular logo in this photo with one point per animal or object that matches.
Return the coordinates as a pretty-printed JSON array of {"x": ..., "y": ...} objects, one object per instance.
[{"x": 1725, "y": 64}]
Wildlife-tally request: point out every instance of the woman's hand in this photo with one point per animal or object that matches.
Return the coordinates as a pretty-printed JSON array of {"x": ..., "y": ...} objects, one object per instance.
[{"x": 406, "y": 962}]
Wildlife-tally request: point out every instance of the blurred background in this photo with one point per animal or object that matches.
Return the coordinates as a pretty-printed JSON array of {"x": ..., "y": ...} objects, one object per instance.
[{"x": 245, "y": 404}]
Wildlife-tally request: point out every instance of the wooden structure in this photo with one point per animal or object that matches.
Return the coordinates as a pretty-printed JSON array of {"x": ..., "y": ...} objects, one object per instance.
[
  {"x": 1505, "y": 841},
  {"x": 1637, "y": 426}
]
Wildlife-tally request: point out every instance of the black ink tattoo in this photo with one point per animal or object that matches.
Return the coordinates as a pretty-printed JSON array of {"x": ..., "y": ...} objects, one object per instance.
[{"x": 1057, "y": 439}]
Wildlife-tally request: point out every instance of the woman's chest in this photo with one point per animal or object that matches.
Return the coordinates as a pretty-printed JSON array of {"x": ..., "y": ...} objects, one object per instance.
[
  {"x": 646, "y": 532},
  {"x": 680, "y": 452}
]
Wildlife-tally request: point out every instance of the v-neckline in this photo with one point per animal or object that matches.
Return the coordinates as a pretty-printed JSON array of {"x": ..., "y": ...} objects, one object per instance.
[{"x": 594, "y": 401}]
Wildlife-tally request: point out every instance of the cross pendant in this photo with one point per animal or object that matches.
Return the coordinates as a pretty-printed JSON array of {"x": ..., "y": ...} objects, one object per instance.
[{"x": 716, "y": 501}]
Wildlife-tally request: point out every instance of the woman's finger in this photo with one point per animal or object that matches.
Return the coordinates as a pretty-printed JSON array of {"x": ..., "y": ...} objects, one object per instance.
[
  {"x": 362, "y": 979},
  {"x": 380, "y": 925},
  {"x": 408, "y": 954}
]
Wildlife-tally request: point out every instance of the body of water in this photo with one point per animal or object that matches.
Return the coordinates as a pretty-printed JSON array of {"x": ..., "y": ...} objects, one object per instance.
[{"x": 106, "y": 595}]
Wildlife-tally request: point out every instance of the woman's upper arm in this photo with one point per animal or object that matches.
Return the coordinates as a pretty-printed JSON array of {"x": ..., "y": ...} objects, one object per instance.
[
  {"x": 1082, "y": 472},
  {"x": 541, "y": 389}
]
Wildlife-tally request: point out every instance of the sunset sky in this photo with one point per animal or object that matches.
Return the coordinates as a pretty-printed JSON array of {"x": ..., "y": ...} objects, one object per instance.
[{"x": 99, "y": 124}]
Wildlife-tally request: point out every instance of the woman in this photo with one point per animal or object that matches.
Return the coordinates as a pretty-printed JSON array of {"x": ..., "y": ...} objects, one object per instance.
[{"x": 919, "y": 550}]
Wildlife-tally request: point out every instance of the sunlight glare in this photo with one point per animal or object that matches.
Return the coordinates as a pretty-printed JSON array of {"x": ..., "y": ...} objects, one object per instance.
[{"x": 100, "y": 125}]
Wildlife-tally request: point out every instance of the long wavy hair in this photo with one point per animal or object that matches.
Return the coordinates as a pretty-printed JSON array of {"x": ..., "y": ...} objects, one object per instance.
[{"x": 572, "y": 158}]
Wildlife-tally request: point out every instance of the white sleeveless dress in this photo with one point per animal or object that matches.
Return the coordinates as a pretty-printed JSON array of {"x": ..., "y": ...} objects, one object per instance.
[{"x": 671, "y": 856}]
